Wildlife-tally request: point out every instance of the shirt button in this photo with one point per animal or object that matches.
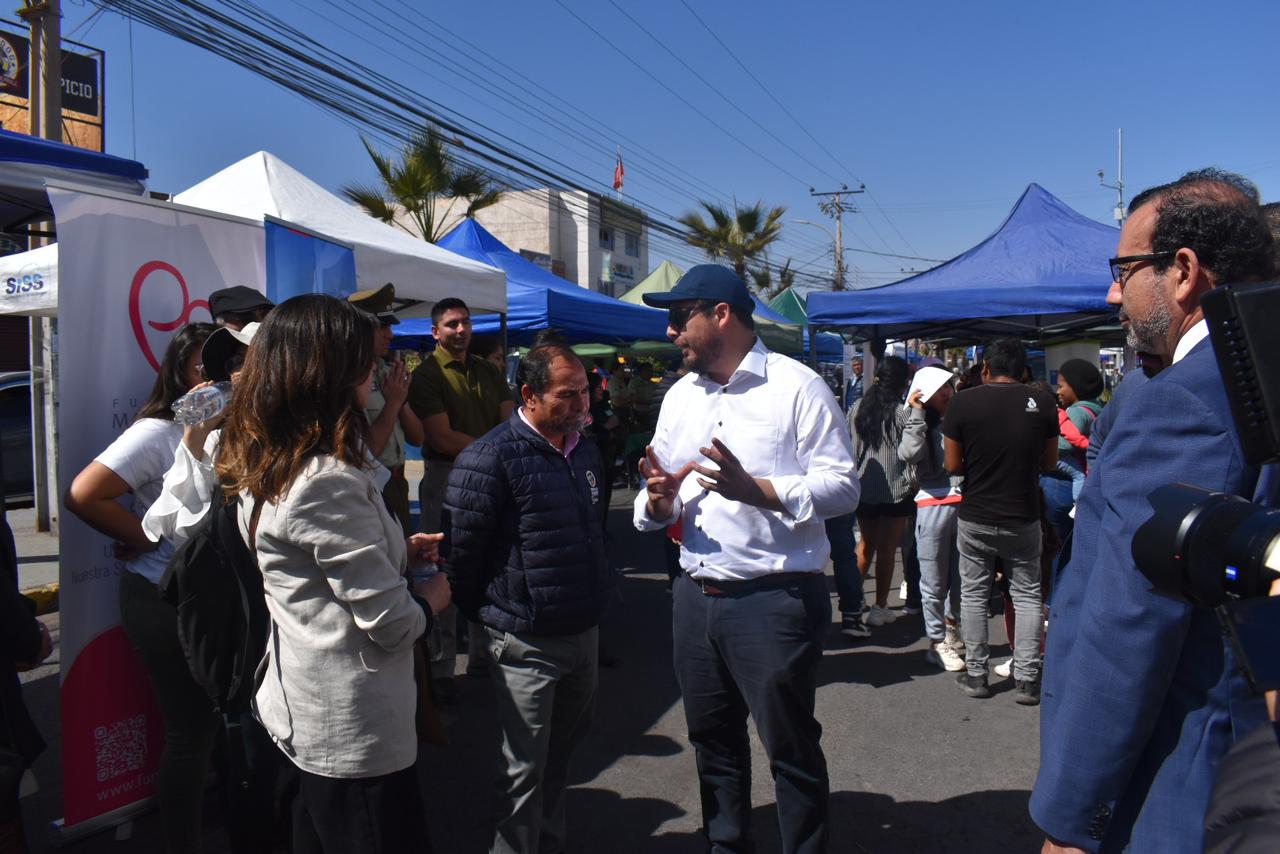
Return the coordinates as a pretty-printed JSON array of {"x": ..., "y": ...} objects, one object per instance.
[{"x": 719, "y": 423}]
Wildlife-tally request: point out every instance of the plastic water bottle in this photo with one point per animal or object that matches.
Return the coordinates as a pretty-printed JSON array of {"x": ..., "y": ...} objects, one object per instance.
[
  {"x": 423, "y": 572},
  {"x": 202, "y": 404}
]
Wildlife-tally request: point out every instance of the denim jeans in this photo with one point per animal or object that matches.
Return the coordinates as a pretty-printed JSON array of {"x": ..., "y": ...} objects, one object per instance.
[
  {"x": 545, "y": 694},
  {"x": 939, "y": 567},
  {"x": 1019, "y": 547},
  {"x": 844, "y": 565},
  {"x": 1073, "y": 469},
  {"x": 1058, "y": 503},
  {"x": 755, "y": 653}
]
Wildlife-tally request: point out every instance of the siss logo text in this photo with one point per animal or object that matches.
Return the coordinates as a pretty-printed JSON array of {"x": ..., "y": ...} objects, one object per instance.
[{"x": 24, "y": 284}]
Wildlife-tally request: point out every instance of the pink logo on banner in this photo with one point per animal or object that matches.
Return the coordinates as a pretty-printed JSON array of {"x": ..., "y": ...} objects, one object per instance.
[
  {"x": 135, "y": 307},
  {"x": 112, "y": 733}
]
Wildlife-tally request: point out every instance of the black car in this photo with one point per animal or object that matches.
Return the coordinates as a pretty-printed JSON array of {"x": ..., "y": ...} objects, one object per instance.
[{"x": 17, "y": 473}]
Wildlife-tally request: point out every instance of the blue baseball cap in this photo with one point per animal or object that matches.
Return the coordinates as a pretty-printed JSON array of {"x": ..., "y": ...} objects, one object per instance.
[{"x": 709, "y": 282}]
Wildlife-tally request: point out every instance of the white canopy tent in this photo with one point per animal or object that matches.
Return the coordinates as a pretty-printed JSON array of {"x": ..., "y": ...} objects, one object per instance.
[{"x": 263, "y": 184}]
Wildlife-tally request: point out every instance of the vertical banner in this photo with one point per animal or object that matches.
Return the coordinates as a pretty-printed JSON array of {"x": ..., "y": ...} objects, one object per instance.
[
  {"x": 300, "y": 262},
  {"x": 132, "y": 272}
]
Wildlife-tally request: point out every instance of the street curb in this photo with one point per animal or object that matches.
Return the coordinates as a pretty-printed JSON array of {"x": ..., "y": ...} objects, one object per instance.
[{"x": 45, "y": 597}]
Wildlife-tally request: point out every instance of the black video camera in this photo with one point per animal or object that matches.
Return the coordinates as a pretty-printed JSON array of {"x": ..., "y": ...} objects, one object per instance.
[{"x": 1222, "y": 551}]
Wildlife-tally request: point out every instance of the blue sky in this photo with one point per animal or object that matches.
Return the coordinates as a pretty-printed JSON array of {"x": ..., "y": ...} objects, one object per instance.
[{"x": 946, "y": 111}]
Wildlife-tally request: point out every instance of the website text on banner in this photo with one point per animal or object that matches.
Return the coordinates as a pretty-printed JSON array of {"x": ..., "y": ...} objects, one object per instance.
[{"x": 132, "y": 272}]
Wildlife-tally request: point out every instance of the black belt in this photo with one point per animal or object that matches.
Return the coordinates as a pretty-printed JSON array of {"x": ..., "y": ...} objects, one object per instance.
[{"x": 771, "y": 581}]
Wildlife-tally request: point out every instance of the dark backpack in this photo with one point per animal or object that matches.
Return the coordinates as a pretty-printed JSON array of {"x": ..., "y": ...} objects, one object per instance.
[{"x": 214, "y": 583}]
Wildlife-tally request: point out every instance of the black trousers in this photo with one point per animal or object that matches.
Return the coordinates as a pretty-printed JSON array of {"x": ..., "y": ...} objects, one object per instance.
[
  {"x": 755, "y": 653},
  {"x": 367, "y": 815}
]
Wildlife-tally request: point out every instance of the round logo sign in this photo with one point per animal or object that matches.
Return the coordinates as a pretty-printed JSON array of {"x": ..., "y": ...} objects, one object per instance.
[{"x": 8, "y": 65}]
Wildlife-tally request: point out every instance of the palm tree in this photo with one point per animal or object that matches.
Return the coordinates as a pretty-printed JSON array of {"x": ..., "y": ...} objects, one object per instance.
[
  {"x": 411, "y": 188},
  {"x": 738, "y": 237},
  {"x": 762, "y": 278}
]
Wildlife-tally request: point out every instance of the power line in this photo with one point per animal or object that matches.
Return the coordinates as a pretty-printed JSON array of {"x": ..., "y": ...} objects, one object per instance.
[
  {"x": 677, "y": 95},
  {"x": 313, "y": 78},
  {"x": 800, "y": 125},
  {"x": 713, "y": 88}
]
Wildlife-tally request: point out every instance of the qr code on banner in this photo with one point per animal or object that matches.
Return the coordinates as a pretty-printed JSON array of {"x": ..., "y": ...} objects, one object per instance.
[{"x": 121, "y": 747}]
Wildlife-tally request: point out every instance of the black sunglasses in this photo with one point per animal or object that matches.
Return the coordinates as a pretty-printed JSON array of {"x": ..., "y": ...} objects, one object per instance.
[
  {"x": 678, "y": 315},
  {"x": 1118, "y": 266}
]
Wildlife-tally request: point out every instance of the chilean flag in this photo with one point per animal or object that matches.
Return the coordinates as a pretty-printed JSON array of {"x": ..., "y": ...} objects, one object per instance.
[{"x": 618, "y": 173}]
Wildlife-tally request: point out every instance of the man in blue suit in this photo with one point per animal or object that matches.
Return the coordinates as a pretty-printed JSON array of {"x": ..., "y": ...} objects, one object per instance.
[{"x": 1140, "y": 696}]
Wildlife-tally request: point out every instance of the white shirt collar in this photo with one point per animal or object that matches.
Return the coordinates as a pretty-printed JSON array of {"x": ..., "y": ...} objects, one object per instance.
[
  {"x": 1189, "y": 339},
  {"x": 753, "y": 362}
]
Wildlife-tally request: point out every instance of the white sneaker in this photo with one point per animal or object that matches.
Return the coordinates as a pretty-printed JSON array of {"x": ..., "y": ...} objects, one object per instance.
[
  {"x": 1004, "y": 668},
  {"x": 944, "y": 656},
  {"x": 877, "y": 616}
]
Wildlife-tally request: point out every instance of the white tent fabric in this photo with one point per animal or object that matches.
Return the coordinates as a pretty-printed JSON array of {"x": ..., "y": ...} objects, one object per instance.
[
  {"x": 263, "y": 184},
  {"x": 29, "y": 282}
]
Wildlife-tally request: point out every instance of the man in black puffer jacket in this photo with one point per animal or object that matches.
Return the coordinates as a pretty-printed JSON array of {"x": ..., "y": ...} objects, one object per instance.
[{"x": 525, "y": 554}]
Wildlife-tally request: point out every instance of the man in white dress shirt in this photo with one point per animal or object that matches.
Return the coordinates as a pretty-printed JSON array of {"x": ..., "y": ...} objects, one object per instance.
[{"x": 750, "y": 454}]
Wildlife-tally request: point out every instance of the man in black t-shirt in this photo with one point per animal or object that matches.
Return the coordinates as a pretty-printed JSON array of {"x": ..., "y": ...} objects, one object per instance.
[{"x": 1000, "y": 436}]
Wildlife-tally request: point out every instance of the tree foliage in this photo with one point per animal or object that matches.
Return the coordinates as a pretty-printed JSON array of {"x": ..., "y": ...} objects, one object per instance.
[
  {"x": 409, "y": 189},
  {"x": 763, "y": 282},
  {"x": 738, "y": 237}
]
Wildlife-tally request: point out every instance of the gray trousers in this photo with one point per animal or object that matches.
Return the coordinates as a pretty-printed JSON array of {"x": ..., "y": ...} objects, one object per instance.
[
  {"x": 1019, "y": 547},
  {"x": 939, "y": 566},
  {"x": 443, "y": 640},
  {"x": 546, "y": 688}
]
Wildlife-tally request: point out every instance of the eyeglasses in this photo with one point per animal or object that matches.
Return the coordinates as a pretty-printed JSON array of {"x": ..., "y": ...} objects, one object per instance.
[
  {"x": 678, "y": 315},
  {"x": 1126, "y": 265}
]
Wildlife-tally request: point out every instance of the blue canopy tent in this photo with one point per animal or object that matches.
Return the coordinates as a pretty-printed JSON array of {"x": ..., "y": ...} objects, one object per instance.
[
  {"x": 1042, "y": 272},
  {"x": 538, "y": 299},
  {"x": 27, "y": 161}
]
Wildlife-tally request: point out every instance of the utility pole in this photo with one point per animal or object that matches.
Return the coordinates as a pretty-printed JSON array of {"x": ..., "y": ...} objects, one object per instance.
[
  {"x": 1118, "y": 186},
  {"x": 44, "y": 73},
  {"x": 833, "y": 205}
]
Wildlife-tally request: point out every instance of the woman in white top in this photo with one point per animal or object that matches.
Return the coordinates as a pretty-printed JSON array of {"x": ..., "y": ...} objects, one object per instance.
[
  {"x": 338, "y": 695},
  {"x": 135, "y": 463}
]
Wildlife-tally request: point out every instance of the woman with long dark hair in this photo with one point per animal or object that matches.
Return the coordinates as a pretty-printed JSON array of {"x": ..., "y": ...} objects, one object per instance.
[
  {"x": 876, "y": 422},
  {"x": 338, "y": 695},
  {"x": 135, "y": 463}
]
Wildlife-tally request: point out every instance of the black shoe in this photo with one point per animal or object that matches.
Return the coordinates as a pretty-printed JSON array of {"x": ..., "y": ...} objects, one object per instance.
[
  {"x": 851, "y": 626},
  {"x": 1028, "y": 693},
  {"x": 974, "y": 686}
]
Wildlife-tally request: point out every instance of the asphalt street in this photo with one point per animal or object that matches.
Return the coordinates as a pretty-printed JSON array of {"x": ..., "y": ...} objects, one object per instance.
[{"x": 915, "y": 765}]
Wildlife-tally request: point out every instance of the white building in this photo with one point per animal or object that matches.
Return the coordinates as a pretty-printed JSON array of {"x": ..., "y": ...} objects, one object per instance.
[{"x": 591, "y": 240}]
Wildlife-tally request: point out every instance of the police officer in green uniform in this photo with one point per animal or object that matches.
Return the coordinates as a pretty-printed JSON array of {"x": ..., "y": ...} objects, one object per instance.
[{"x": 391, "y": 422}]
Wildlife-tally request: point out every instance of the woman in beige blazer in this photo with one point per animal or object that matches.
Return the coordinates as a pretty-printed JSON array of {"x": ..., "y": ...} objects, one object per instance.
[{"x": 337, "y": 693}]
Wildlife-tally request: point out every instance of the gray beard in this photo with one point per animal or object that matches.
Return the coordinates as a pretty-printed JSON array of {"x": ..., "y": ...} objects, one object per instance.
[{"x": 1151, "y": 334}]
